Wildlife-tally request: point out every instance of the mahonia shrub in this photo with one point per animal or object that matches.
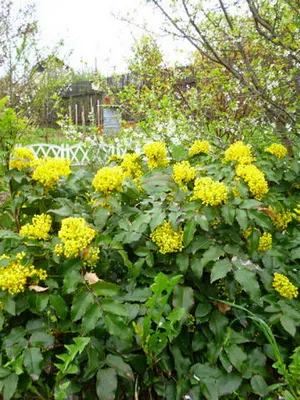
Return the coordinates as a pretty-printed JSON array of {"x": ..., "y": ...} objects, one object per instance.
[{"x": 169, "y": 274}]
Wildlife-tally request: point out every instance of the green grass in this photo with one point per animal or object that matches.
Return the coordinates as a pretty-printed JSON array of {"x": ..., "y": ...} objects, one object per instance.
[{"x": 45, "y": 135}]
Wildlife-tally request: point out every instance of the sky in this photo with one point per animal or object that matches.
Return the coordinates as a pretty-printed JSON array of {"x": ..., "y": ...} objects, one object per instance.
[{"x": 95, "y": 36}]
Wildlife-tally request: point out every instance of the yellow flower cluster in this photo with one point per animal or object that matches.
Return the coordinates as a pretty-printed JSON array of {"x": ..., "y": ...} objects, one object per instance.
[
  {"x": 47, "y": 171},
  {"x": 156, "y": 153},
  {"x": 168, "y": 240},
  {"x": 278, "y": 150},
  {"x": 75, "y": 236},
  {"x": 284, "y": 287},
  {"x": 109, "y": 179},
  {"x": 14, "y": 276},
  {"x": 265, "y": 242},
  {"x": 183, "y": 172},
  {"x": 296, "y": 214},
  {"x": 211, "y": 193},
  {"x": 247, "y": 232},
  {"x": 198, "y": 147},
  {"x": 280, "y": 220},
  {"x": 22, "y": 158},
  {"x": 239, "y": 152},
  {"x": 39, "y": 228},
  {"x": 254, "y": 178},
  {"x": 91, "y": 256},
  {"x": 114, "y": 157},
  {"x": 131, "y": 166}
]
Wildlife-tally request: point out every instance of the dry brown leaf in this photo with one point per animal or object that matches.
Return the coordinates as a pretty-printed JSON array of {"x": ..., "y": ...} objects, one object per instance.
[
  {"x": 91, "y": 278},
  {"x": 223, "y": 308},
  {"x": 38, "y": 289},
  {"x": 267, "y": 211}
]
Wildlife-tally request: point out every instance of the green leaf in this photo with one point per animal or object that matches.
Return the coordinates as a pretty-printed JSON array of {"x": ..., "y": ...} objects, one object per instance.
[
  {"x": 288, "y": 396},
  {"x": 295, "y": 254},
  {"x": 10, "y": 384},
  {"x": 236, "y": 356},
  {"x": 4, "y": 372},
  {"x": 121, "y": 367},
  {"x": 197, "y": 267},
  {"x": 182, "y": 260},
  {"x": 189, "y": 232},
  {"x": 157, "y": 218},
  {"x": 242, "y": 218},
  {"x": 100, "y": 218},
  {"x": 176, "y": 315},
  {"x": 7, "y": 234},
  {"x": 261, "y": 219},
  {"x": 183, "y": 297},
  {"x": 229, "y": 383},
  {"x": 182, "y": 363},
  {"x": 39, "y": 339},
  {"x": 217, "y": 324},
  {"x": 248, "y": 281},
  {"x": 9, "y": 304},
  {"x": 32, "y": 362},
  {"x": 288, "y": 324},
  {"x": 73, "y": 349},
  {"x": 64, "y": 211},
  {"x": 259, "y": 385},
  {"x": 91, "y": 317},
  {"x": 220, "y": 269},
  {"x": 114, "y": 307},
  {"x": 137, "y": 295},
  {"x": 140, "y": 223},
  {"x": 202, "y": 220},
  {"x": 203, "y": 371},
  {"x": 250, "y": 203},
  {"x": 117, "y": 327},
  {"x": 59, "y": 305},
  {"x": 212, "y": 254},
  {"x": 81, "y": 301},
  {"x": 102, "y": 288},
  {"x": 106, "y": 384},
  {"x": 228, "y": 213},
  {"x": 71, "y": 280}
]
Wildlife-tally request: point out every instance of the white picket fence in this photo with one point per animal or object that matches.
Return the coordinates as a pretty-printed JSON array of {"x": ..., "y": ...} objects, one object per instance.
[{"x": 82, "y": 154}]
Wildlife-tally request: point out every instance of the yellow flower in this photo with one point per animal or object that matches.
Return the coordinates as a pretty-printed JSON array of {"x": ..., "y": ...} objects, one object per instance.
[
  {"x": 280, "y": 220},
  {"x": 247, "y": 232},
  {"x": 75, "y": 236},
  {"x": 156, "y": 153},
  {"x": 47, "y": 171},
  {"x": 91, "y": 256},
  {"x": 131, "y": 166},
  {"x": 211, "y": 193},
  {"x": 284, "y": 287},
  {"x": 278, "y": 150},
  {"x": 39, "y": 228},
  {"x": 168, "y": 240},
  {"x": 239, "y": 152},
  {"x": 265, "y": 242},
  {"x": 109, "y": 179},
  {"x": 114, "y": 157},
  {"x": 14, "y": 276},
  {"x": 296, "y": 214},
  {"x": 254, "y": 178},
  {"x": 22, "y": 157},
  {"x": 199, "y": 147},
  {"x": 183, "y": 172}
]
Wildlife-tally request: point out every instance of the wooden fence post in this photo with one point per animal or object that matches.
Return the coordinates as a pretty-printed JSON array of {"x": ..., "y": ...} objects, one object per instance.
[
  {"x": 98, "y": 113},
  {"x": 83, "y": 120},
  {"x": 76, "y": 114}
]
